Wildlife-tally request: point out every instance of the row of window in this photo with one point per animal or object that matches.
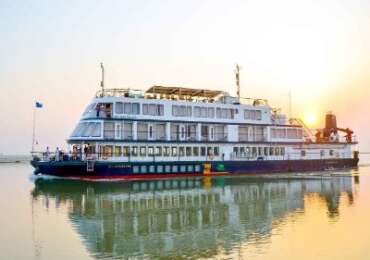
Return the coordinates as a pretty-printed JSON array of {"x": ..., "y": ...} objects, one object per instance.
[
  {"x": 168, "y": 151},
  {"x": 127, "y": 108},
  {"x": 87, "y": 129},
  {"x": 289, "y": 133},
  {"x": 166, "y": 168},
  {"x": 133, "y": 108},
  {"x": 322, "y": 153},
  {"x": 258, "y": 151},
  {"x": 252, "y": 114}
]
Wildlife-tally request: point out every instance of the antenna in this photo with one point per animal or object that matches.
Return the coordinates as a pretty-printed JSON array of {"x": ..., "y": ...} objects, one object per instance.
[
  {"x": 237, "y": 77},
  {"x": 102, "y": 79},
  {"x": 290, "y": 104}
]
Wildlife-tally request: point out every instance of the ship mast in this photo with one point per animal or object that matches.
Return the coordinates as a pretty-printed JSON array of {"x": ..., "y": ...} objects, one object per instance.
[
  {"x": 237, "y": 77},
  {"x": 102, "y": 79}
]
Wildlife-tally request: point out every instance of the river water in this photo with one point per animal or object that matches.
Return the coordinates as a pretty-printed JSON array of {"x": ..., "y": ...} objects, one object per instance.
[{"x": 307, "y": 216}]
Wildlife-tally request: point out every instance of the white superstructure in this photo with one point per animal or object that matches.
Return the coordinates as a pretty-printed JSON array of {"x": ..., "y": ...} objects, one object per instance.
[{"x": 175, "y": 123}]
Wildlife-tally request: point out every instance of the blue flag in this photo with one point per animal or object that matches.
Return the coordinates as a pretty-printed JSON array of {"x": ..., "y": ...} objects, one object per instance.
[{"x": 38, "y": 104}]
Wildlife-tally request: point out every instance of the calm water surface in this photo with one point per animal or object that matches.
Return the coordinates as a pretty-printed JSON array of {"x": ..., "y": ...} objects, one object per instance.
[{"x": 280, "y": 217}]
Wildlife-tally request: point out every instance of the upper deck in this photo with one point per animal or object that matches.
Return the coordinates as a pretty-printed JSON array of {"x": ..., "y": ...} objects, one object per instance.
[{"x": 180, "y": 104}]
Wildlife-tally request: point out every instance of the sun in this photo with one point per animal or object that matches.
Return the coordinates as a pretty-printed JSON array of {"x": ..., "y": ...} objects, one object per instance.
[{"x": 310, "y": 119}]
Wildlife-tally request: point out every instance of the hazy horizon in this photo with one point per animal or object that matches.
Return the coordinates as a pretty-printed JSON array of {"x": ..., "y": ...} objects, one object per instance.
[{"x": 320, "y": 51}]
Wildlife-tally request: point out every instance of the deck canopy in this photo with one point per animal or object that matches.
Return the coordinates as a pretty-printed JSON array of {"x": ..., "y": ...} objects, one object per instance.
[{"x": 181, "y": 91}]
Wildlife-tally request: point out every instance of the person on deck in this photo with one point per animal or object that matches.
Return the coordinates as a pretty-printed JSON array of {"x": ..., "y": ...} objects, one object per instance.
[
  {"x": 47, "y": 153},
  {"x": 86, "y": 150},
  {"x": 57, "y": 154},
  {"x": 98, "y": 108}
]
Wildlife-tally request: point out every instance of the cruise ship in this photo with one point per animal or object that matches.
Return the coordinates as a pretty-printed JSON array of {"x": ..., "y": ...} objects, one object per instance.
[{"x": 170, "y": 131}]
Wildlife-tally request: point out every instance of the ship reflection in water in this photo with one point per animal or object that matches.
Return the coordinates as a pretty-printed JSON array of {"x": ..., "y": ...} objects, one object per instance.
[{"x": 185, "y": 217}]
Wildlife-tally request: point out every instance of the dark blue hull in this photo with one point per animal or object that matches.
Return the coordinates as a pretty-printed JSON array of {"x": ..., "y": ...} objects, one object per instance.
[{"x": 149, "y": 170}]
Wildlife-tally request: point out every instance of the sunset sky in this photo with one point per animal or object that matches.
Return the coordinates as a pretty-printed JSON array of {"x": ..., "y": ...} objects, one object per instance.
[{"x": 50, "y": 51}]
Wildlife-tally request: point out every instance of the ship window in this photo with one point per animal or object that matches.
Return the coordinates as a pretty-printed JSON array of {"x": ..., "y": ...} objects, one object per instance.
[
  {"x": 160, "y": 131},
  {"x": 181, "y": 111},
  {"x": 108, "y": 151},
  {"x": 175, "y": 168},
  {"x": 190, "y": 168},
  {"x": 153, "y": 109},
  {"x": 143, "y": 168},
  {"x": 303, "y": 153},
  {"x": 265, "y": 151},
  {"x": 183, "y": 168},
  {"x": 271, "y": 150},
  {"x": 78, "y": 129},
  {"x": 97, "y": 130},
  {"x": 126, "y": 151},
  {"x": 204, "y": 112},
  {"x": 216, "y": 151},
  {"x": 292, "y": 133},
  {"x": 282, "y": 151},
  {"x": 118, "y": 108},
  {"x": 277, "y": 151},
  {"x": 236, "y": 150},
  {"x": 167, "y": 151},
  {"x": 322, "y": 152},
  {"x": 181, "y": 151},
  {"x": 168, "y": 168},
  {"x": 174, "y": 151},
  {"x": 159, "y": 168},
  {"x": 87, "y": 129},
  {"x": 254, "y": 151},
  {"x": 158, "y": 151},
  {"x": 150, "y": 151},
  {"x": 151, "y": 168},
  {"x": 188, "y": 151},
  {"x": 209, "y": 151},
  {"x": 135, "y": 169},
  {"x": 331, "y": 152},
  {"x": 251, "y": 114},
  {"x": 131, "y": 108},
  {"x": 196, "y": 151},
  {"x": 134, "y": 151},
  {"x": 142, "y": 131},
  {"x": 211, "y": 112},
  {"x": 142, "y": 151},
  {"x": 128, "y": 108},
  {"x": 226, "y": 113},
  {"x": 197, "y": 168},
  {"x": 118, "y": 151},
  {"x": 204, "y": 131},
  {"x": 108, "y": 130},
  {"x": 259, "y": 151},
  {"x": 203, "y": 151}
]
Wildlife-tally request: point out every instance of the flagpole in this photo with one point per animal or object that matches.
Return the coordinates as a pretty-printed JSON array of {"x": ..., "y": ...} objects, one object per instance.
[{"x": 33, "y": 129}]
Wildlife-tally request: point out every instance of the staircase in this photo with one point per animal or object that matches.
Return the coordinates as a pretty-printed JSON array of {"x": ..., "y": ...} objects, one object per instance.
[{"x": 307, "y": 132}]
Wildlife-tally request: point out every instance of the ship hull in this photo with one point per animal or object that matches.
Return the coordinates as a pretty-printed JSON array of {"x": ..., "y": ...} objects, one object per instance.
[{"x": 155, "y": 170}]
